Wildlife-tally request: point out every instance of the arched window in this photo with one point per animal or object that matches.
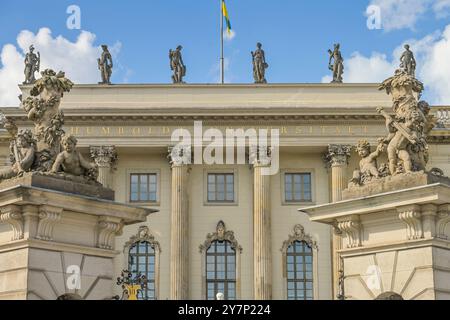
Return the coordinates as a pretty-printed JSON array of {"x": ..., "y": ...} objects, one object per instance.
[
  {"x": 300, "y": 266},
  {"x": 299, "y": 271},
  {"x": 221, "y": 270},
  {"x": 221, "y": 256},
  {"x": 143, "y": 259}
]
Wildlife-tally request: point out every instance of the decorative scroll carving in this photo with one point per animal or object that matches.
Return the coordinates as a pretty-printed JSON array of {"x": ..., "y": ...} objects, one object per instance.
[
  {"x": 352, "y": 228},
  {"x": 443, "y": 219},
  {"x": 337, "y": 155},
  {"x": 13, "y": 216},
  {"x": 298, "y": 235},
  {"x": 108, "y": 228},
  {"x": 143, "y": 235},
  {"x": 48, "y": 217},
  {"x": 221, "y": 234},
  {"x": 413, "y": 219}
]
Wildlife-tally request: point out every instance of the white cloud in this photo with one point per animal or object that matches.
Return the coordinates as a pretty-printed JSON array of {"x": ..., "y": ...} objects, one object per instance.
[
  {"x": 441, "y": 8},
  {"x": 77, "y": 59},
  {"x": 399, "y": 14},
  {"x": 433, "y": 65},
  {"x": 404, "y": 14},
  {"x": 229, "y": 35}
]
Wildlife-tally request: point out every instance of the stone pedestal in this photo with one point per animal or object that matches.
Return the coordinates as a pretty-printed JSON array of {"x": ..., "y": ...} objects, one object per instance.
[
  {"x": 396, "y": 243},
  {"x": 262, "y": 254},
  {"x": 55, "y": 243}
]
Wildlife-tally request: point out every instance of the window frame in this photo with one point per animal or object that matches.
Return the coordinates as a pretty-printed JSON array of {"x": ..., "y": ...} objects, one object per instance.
[
  {"x": 147, "y": 255},
  {"x": 300, "y": 235},
  {"x": 207, "y": 172},
  {"x": 284, "y": 173},
  {"x": 304, "y": 280},
  {"x": 130, "y": 173},
  {"x": 216, "y": 280},
  {"x": 144, "y": 235}
]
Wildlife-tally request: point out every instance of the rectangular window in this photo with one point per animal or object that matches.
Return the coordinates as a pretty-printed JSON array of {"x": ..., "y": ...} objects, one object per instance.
[
  {"x": 220, "y": 187},
  {"x": 143, "y": 187},
  {"x": 297, "y": 187}
]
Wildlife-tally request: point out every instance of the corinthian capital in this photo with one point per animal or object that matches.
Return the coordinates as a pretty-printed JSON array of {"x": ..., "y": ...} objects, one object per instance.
[
  {"x": 260, "y": 155},
  {"x": 104, "y": 156},
  {"x": 180, "y": 155},
  {"x": 337, "y": 154}
]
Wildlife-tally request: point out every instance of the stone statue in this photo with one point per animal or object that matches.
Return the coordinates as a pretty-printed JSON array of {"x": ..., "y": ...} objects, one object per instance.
[
  {"x": 259, "y": 64},
  {"x": 105, "y": 65},
  {"x": 338, "y": 66},
  {"x": 368, "y": 167},
  {"x": 23, "y": 152},
  {"x": 177, "y": 65},
  {"x": 406, "y": 142},
  {"x": 32, "y": 65},
  {"x": 42, "y": 107},
  {"x": 408, "y": 62},
  {"x": 72, "y": 162}
]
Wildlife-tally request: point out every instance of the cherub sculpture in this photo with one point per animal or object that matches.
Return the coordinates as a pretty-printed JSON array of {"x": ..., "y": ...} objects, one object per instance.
[
  {"x": 368, "y": 167},
  {"x": 23, "y": 150},
  {"x": 71, "y": 162}
]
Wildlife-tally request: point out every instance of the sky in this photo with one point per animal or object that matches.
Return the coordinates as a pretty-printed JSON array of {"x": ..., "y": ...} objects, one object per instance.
[{"x": 296, "y": 35}]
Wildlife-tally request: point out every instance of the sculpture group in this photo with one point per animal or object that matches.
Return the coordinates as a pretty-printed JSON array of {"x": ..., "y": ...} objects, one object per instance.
[
  {"x": 405, "y": 145},
  {"x": 47, "y": 150}
]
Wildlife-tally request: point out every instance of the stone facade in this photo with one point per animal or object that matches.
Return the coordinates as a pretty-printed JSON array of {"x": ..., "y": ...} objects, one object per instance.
[{"x": 313, "y": 119}]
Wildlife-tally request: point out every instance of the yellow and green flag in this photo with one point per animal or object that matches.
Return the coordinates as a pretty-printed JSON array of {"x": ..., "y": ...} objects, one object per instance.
[{"x": 225, "y": 15}]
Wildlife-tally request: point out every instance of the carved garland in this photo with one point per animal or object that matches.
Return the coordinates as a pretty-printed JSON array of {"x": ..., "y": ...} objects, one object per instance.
[
  {"x": 301, "y": 236},
  {"x": 221, "y": 234},
  {"x": 143, "y": 235}
]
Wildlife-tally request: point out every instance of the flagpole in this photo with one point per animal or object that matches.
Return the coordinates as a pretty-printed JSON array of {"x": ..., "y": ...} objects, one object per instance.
[{"x": 222, "y": 64}]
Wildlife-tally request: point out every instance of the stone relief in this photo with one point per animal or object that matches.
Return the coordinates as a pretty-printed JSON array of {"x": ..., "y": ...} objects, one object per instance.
[
  {"x": 221, "y": 234},
  {"x": 301, "y": 236},
  {"x": 143, "y": 235},
  {"x": 47, "y": 150}
]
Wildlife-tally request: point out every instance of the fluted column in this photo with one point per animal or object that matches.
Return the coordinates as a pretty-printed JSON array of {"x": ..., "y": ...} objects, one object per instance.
[
  {"x": 179, "y": 233},
  {"x": 105, "y": 157},
  {"x": 337, "y": 158},
  {"x": 262, "y": 253}
]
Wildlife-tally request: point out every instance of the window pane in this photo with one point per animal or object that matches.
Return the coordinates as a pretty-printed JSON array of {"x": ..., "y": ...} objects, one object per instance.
[
  {"x": 211, "y": 179},
  {"x": 299, "y": 271},
  {"x": 221, "y": 260}
]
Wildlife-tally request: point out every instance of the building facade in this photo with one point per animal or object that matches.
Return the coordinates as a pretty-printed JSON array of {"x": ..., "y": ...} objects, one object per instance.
[{"x": 227, "y": 227}]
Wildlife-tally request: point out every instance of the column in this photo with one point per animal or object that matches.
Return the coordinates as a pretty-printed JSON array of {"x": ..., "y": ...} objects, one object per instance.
[
  {"x": 105, "y": 157},
  {"x": 262, "y": 254},
  {"x": 337, "y": 158},
  {"x": 179, "y": 233}
]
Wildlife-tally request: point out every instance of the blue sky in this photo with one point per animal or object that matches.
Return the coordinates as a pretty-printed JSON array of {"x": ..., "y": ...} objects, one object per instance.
[{"x": 296, "y": 34}]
